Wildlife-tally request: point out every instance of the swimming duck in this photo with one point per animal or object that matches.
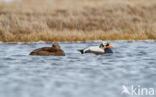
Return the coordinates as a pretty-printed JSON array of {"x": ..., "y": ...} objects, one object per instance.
[
  {"x": 55, "y": 50},
  {"x": 103, "y": 48}
]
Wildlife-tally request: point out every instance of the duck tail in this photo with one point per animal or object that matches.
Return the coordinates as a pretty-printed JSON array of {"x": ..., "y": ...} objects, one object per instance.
[{"x": 81, "y": 51}]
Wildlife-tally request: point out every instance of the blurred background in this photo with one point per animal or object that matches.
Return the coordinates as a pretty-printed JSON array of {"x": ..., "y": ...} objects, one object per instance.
[{"x": 77, "y": 20}]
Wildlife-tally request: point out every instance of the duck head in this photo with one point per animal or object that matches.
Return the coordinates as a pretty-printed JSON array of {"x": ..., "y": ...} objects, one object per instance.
[
  {"x": 105, "y": 44},
  {"x": 56, "y": 45}
]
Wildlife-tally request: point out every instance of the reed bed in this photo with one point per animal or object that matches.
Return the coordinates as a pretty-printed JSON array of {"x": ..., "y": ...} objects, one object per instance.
[{"x": 77, "y": 20}]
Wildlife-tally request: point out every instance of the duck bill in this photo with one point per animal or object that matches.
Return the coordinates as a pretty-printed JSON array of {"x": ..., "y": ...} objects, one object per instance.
[{"x": 110, "y": 46}]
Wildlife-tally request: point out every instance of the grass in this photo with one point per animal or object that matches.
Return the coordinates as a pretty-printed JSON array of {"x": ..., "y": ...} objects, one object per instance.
[{"x": 77, "y": 20}]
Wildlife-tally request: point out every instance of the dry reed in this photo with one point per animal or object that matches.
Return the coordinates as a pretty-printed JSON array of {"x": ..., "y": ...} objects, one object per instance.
[{"x": 77, "y": 20}]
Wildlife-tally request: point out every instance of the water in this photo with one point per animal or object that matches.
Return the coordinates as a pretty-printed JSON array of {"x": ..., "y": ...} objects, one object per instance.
[{"x": 76, "y": 75}]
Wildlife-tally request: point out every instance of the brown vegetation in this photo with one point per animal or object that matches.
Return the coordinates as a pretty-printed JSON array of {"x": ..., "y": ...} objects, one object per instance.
[{"x": 77, "y": 20}]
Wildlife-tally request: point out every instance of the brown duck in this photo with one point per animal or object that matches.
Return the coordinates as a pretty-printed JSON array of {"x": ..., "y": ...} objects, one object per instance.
[{"x": 55, "y": 50}]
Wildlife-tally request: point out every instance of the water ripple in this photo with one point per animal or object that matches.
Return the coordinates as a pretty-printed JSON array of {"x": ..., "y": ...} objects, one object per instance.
[{"x": 75, "y": 75}]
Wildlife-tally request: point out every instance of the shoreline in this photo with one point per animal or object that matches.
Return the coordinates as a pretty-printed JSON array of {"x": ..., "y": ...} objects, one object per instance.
[
  {"x": 73, "y": 36},
  {"x": 44, "y": 42},
  {"x": 78, "y": 38}
]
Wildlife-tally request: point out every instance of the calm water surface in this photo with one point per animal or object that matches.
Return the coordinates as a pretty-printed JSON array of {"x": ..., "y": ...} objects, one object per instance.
[{"x": 76, "y": 75}]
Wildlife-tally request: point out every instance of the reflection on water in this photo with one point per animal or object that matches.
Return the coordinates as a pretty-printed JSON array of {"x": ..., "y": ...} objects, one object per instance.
[{"x": 76, "y": 75}]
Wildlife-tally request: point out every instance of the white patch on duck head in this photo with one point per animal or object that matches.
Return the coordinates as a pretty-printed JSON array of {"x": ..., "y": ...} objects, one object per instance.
[{"x": 104, "y": 44}]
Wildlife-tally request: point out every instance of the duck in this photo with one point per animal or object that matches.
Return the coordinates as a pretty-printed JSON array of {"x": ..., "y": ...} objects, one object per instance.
[
  {"x": 54, "y": 50},
  {"x": 104, "y": 47}
]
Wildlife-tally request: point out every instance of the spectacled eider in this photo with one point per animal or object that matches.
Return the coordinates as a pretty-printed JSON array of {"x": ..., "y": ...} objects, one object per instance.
[
  {"x": 102, "y": 49},
  {"x": 55, "y": 50}
]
